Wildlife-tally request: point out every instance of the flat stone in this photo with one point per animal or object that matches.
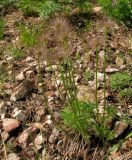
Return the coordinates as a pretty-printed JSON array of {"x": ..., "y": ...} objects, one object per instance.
[
  {"x": 111, "y": 70},
  {"x": 119, "y": 128},
  {"x": 10, "y": 124},
  {"x": 13, "y": 156},
  {"x": 20, "y": 77},
  {"x": 22, "y": 90}
]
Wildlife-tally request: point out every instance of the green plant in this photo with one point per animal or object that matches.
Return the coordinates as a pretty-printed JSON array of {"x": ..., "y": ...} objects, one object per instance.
[
  {"x": 84, "y": 117},
  {"x": 120, "y": 81},
  {"x": 48, "y": 8},
  {"x": 121, "y": 10},
  {"x": 28, "y": 36},
  {"x": 29, "y": 7},
  {"x": 6, "y": 3},
  {"x": 126, "y": 94},
  {"x": 16, "y": 52},
  {"x": 1, "y": 28}
]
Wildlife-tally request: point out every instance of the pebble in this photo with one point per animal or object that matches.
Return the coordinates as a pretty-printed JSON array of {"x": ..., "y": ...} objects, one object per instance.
[
  {"x": 10, "y": 124},
  {"x": 119, "y": 128},
  {"x": 13, "y": 156}
]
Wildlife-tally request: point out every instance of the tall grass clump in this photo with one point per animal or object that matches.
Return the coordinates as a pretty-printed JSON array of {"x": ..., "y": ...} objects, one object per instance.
[
  {"x": 57, "y": 43},
  {"x": 121, "y": 10},
  {"x": 79, "y": 116}
]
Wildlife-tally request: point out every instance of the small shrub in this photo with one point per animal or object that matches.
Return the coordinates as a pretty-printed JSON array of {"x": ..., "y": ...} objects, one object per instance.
[
  {"x": 121, "y": 10},
  {"x": 120, "y": 81},
  {"x": 1, "y": 28}
]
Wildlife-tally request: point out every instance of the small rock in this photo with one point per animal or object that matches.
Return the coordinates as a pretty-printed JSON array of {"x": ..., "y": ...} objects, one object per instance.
[
  {"x": 2, "y": 104},
  {"x": 9, "y": 58},
  {"x": 122, "y": 67},
  {"x": 10, "y": 124},
  {"x": 100, "y": 77},
  {"x": 13, "y": 156},
  {"x": 25, "y": 134},
  {"x": 22, "y": 90},
  {"x": 111, "y": 70},
  {"x": 119, "y": 128},
  {"x": 48, "y": 120},
  {"x": 97, "y": 9},
  {"x": 85, "y": 94},
  {"x": 39, "y": 140},
  {"x": 29, "y": 59},
  {"x": 20, "y": 115},
  {"x": 58, "y": 83},
  {"x": 3, "y": 108},
  {"x": 20, "y": 77},
  {"x": 23, "y": 137}
]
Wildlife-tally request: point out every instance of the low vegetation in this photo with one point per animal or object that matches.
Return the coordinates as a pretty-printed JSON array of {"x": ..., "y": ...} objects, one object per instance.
[{"x": 50, "y": 55}]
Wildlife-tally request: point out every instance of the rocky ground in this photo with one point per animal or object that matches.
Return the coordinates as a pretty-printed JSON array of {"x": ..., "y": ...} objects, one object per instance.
[{"x": 31, "y": 131}]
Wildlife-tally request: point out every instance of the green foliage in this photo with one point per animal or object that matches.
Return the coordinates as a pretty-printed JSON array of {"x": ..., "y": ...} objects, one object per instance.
[
  {"x": 28, "y": 36},
  {"x": 120, "y": 81},
  {"x": 84, "y": 6},
  {"x": 79, "y": 119},
  {"x": 48, "y": 8},
  {"x": 29, "y": 7},
  {"x": 121, "y": 10},
  {"x": 126, "y": 93},
  {"x": 1, "y": 28},
  {"x": 80, "y": 116},
  {"x": 83, "y": 120},
  {"x": 16, "y": 52},
  {"x": 6, "y": 3}
]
